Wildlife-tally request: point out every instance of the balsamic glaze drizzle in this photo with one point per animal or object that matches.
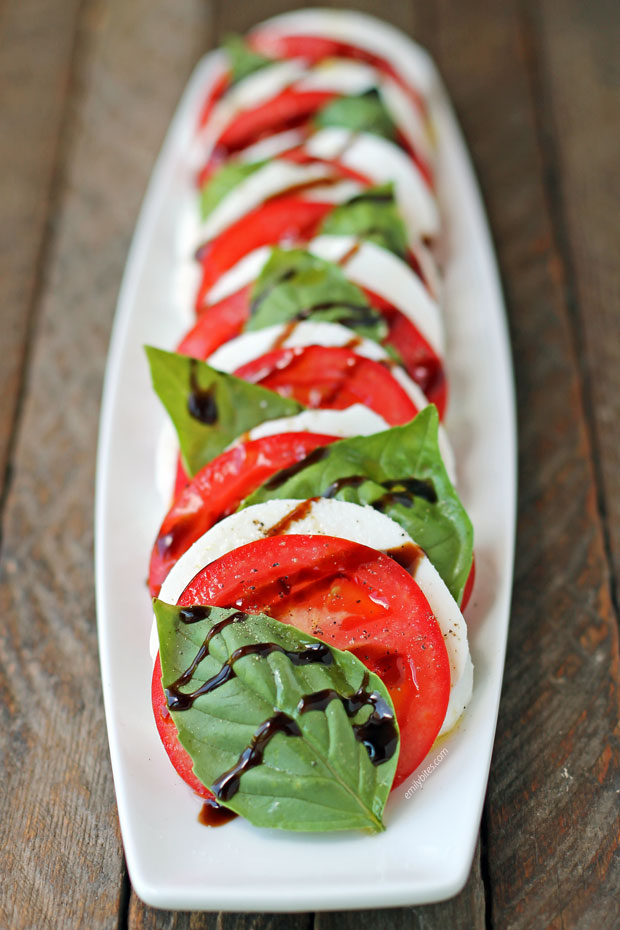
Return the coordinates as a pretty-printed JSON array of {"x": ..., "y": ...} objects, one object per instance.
[
  {"x": 212, "y": 814},
  {"x": 228, "y": 784},
  {"x": 297, "y": 513},
  {"x": 401, "y": 491},
  {"x": 378, "y": 734},
  {"x": 201, "y": 403},
  {"x": 372, "y": 197},
  {"x": 195, "y": 614},
  {"x": 282, "y": 476},
  {"x": 286, "y": 275},
  {"x": 408, "y": 556},
  {"x": 415, "y": 487},
  {"x": 404, "y": 493},
  {"x": 348, "y": 481},
  {"x": 359, "y": 314}
]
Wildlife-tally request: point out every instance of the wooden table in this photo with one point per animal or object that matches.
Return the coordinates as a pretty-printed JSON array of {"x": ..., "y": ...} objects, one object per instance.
[{"x": 88, "y": 87}]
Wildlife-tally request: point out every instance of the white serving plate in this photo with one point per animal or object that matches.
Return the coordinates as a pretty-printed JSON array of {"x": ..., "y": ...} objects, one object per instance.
[{"x": 432, "y": 821}]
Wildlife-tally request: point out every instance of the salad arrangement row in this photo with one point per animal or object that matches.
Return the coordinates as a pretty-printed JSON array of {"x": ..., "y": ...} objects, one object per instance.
[{"x": 310, "y": 573}]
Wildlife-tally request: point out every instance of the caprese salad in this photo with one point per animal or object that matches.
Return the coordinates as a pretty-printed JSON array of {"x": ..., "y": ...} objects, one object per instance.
[{"x": 314, "y": 560}]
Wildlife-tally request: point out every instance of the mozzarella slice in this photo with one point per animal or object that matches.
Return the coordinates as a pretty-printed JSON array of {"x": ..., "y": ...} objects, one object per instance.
[
  {"x": 267, "y": 181},
  {"x": 334, "y": 193},
  {"x": 340, "y": 75},
  {"x": 166, "y": 457},
  {"x": 382, "y": 161},
  {"x": 187, "y": 275},
  {"x": 271, "y": 146},
  {"x": 408, "y": 118},
  {"x": 370, "y": 266},
  {"x": 345, "y": 520},
  {"x": 356, "y": 420},
  {"x": 381, "y": 271}
]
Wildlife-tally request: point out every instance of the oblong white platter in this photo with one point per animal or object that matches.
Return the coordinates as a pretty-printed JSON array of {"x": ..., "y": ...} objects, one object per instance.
[{"x": 432, "y": 821}]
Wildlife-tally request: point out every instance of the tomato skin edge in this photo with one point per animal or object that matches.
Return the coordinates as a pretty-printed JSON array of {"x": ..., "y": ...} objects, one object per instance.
[{"x": 168, "y": 734}]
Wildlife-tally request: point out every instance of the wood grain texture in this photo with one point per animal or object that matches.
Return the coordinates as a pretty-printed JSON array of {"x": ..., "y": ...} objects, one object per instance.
[
  {"x": 580, "y": 125},
  {"x": 552, "y": 806},
  {"x": 59, "y": 842},
  {"x": 146, "y": 918},
  {"x": 36, "y": 44}
]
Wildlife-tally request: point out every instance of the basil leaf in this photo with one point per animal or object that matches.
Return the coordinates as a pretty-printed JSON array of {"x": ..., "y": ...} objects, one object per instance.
[
  {"x": 404, "y": 478},
  {"x": 371, "y": 215},
  {"x": 243, "y": 60},
  {"x": 209, "y": 409},
  {"x": 316, "y": 772},
  {"x": 360, "y": 113},
  {"x": 295, "y": 285},
  {"x": 222, "y": 182}
]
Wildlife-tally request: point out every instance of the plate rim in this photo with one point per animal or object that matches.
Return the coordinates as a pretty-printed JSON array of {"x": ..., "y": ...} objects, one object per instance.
[{"x": 394, "y": 893}]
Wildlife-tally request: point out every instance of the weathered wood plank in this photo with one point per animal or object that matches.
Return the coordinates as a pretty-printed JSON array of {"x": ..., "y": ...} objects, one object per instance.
[
  {"x": 145, "y": 918},
  {"x": 241, "y": 17},
  {"x": 552, "y": 804},
  {"x": 580, "y": 122},
  {"x": 36, "y": 42},
  {"x": 62, "y": 858}
]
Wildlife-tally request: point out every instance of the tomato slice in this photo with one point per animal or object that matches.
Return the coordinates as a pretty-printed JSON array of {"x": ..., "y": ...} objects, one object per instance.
[
  {"x": 331, "y": 377},
  {"x": 218, "y": 88},
  {"x": 419, "y": 358},
  {"x": 287, "y": 110},
  {"x": 218, "y": 489},
  {"x": 168, "y": 734},
  {"x": 354, "y": 598},
  {"x": 217, "y": 324},
  {"x": 181, "y": 479},
  {"x": 290, "y": 219},
  {"x": 469, "y": 585}
]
